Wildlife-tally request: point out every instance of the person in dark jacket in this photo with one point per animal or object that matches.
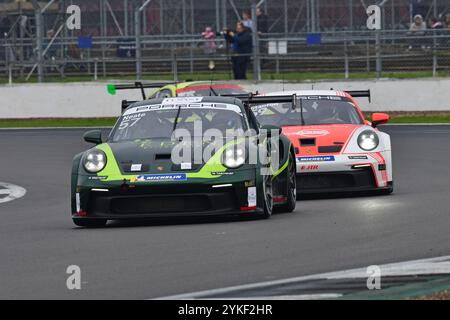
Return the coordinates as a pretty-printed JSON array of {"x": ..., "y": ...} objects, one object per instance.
[
  {"x": 242, "y": 45},
  {"x": 263, "y": 23}
]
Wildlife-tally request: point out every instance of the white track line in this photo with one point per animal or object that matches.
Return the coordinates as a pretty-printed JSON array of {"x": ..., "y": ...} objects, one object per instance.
[
  {"x": 13, "y": 192},
  {"x": 439, "y": 265}
]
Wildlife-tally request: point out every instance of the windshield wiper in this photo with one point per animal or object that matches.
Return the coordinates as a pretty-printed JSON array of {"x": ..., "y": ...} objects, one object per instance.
[
  {"x": 212, "y": 90},
  {"x": 301, "y": 112},
  {"x": 176, "y": 118}
]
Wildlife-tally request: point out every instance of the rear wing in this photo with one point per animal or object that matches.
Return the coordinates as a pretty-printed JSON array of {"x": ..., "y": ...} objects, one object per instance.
[
  {"x": 112, "y": 88},
  {"x": 360, "y": 94},
  {"x": 249, "y": 99}
]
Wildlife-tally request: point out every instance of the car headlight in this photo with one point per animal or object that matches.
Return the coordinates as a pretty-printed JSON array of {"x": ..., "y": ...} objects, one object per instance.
[
  {"x": 368, "y": 140},
  {"x": 94, "y": 161},
  {"x": 234, "y": 157}
]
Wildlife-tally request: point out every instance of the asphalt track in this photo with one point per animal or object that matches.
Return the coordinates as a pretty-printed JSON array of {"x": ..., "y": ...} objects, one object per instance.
[{"x": 148, "y": 260}]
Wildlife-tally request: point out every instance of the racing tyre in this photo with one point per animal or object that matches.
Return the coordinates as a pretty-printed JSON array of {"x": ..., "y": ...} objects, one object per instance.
[
  {"x": 389, "y": 190},
  {"x": 291, "y": 187},
  {"x": 268, "y": 197},
  {"x": 90, "y": 223}
]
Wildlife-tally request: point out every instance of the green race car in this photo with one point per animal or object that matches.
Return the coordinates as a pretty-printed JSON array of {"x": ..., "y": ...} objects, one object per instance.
[{"x": 177, "y": 157}]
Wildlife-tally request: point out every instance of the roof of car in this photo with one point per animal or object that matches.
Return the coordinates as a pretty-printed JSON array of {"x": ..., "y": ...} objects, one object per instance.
[
  {"x": 219, "y": 99},
  {"x": 308, "y": 93}
]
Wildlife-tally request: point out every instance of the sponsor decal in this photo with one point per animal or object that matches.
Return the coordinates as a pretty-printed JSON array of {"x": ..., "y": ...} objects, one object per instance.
[
  {"x": 77, "y": 202},
  {"x": 186, "y": 166},
  {"x": 313, "y": 133},
  {"x": 97, "y": 178},
  {"x": 358, "y": 157},
  {"x": 316, "y": 159},
  {"x": 310, "y": 168},
  {"x": 182, "y": 100},
  {"x": 222, "y": 173},
  {"x": 136, "y": 167},
  {"x": 171, "y": 104},
  {"x": 160, "y": 178},
  {"x": 252, "y": 196}
]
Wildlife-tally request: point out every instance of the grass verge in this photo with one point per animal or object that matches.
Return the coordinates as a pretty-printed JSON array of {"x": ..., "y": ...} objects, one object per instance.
[
  {"x": 108, "y": 122},
  {"x": 224, "y": 76}
]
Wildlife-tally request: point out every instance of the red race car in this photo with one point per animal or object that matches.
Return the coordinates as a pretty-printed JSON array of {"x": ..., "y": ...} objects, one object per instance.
[{"x": 337, "y": 150}]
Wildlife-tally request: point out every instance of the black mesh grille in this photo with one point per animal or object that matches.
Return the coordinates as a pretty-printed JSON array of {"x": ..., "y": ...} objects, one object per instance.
[
  {"x": 335, "y": 180},
  {"x": 135, "y": 204}
]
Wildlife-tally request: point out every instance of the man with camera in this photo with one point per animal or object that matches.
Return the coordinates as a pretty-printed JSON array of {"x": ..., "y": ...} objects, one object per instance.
[{"x": 242, "y": 46}]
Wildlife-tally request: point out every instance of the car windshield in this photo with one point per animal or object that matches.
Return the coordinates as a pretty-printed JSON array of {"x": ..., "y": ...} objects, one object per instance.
[
  {"x": 211, "y": 90},
  {"x": 158, "y": 121},
  {"x": 317, "y": 110}
]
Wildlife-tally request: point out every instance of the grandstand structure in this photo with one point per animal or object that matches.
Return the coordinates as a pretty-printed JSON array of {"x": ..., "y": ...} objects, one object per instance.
[
  {"x": 167, "y": 35},
  {"x": 168, "y": 17}
]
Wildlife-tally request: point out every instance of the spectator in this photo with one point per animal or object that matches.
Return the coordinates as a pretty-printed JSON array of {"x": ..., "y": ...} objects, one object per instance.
[
  {"x": 435, "y": 23},
  {"x": 263, "y": 26},
  {"x": 417, "y": 28},
  {"x": 5, "y": 25},
  {"x": 447, "y": 21},
  {"x": 51, "y": 51},
  {"x": 242, "y": 46},
  {"x": 209, "y": 46},
  {"x": 246, "y": 20}
]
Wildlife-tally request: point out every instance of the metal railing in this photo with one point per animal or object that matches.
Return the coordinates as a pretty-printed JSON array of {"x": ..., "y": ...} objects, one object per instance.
[{"x": 338, "y": 52}]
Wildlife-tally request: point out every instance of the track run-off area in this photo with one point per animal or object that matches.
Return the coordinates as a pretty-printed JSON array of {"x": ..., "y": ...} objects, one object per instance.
[{"x": 155, "y": 259}]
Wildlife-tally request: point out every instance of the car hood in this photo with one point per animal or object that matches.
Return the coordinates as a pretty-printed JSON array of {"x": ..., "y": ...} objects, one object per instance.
[
  {"x": 320, "y": 139},
  {"x": 154, "y": 156},
  {"x": 149, "y": 156}
]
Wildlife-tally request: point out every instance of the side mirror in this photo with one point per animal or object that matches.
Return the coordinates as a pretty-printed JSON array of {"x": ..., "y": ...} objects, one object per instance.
[
  {"x": 269, "y": 128},
  {"x": 94, "y": 136},
  {"x": 379, "y": 118}
]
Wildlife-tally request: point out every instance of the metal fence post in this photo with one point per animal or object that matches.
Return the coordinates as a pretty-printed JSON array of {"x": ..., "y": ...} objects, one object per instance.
[
  {"x": 137, "y": 31},
  {"x": 256, "y": 60},
  {"x": 435, "y": 62},
  {"x": 346, "y": 62},
  {"x": 379, "y": 66},
  {"x": 39, "y": 40}
]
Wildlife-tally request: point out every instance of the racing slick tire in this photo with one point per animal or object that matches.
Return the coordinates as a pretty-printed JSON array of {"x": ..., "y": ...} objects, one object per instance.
[
  {"x": 90, "y": 223},
  {"x": 291, "y": 181},
  {"x": 267, "y": 196},
  {"x": 389, "y": 190}
]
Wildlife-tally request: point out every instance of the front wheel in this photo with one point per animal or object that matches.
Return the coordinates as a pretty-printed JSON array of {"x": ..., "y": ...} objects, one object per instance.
[
  {"x": 90, "y": 223},
  {"x": 291, "y": 193},
  {"x": 389, "y": 190},
  {"x": 268, "y": 197}
]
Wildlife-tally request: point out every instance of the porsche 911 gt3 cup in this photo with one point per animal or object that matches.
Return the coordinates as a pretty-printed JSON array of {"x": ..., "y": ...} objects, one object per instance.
[
  {"x": 337, "y": 150},
  {"x": 136, "y": 174}
]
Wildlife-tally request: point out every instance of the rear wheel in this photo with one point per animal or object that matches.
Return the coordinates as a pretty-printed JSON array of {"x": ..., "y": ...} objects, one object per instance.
[
  {"x": 90, "y": 223},
  {"x": 291, "y": 194}
]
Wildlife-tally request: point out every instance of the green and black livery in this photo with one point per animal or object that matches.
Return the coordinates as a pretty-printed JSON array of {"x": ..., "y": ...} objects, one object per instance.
[{"x": 139, "y": 180}]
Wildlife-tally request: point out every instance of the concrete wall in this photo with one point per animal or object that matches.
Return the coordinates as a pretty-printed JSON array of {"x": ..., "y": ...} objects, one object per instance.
[{"x": 79, "y": 100}]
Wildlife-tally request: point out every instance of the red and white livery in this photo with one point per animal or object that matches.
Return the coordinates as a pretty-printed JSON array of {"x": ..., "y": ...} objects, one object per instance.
[{"x": 337, "y": 150}]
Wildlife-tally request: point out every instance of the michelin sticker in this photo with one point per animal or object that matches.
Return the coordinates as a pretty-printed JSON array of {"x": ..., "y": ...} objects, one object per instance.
[
  {"x": 160, "y": 178},
  {"x": 10, "y": 192},
  {"x": 316, "y": 159}
]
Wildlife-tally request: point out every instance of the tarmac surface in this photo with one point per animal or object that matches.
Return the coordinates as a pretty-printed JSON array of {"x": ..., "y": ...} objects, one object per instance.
[{"x": 38, "y": 241}]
